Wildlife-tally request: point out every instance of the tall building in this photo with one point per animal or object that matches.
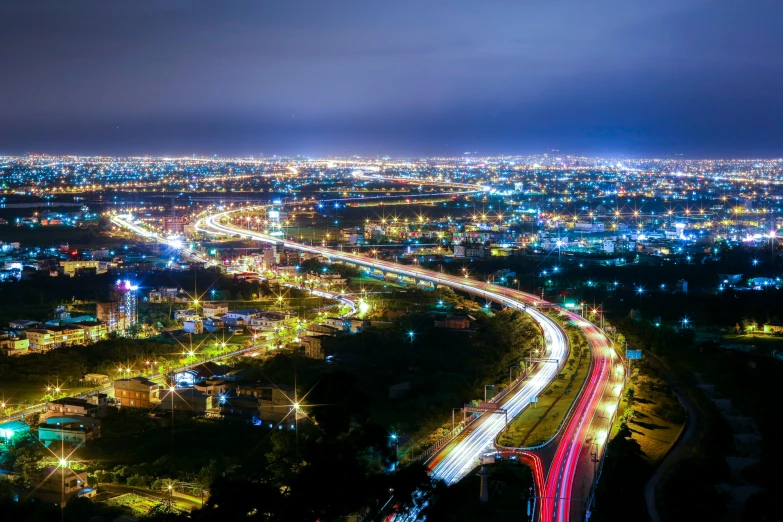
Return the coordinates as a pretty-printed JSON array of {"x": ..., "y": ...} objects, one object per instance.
[{"x": 122, "y": 312}]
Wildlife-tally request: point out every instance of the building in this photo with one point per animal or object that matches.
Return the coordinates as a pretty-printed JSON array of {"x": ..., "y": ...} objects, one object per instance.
[
  {"x": 241, "y": 317},
  {"x": 22, "y": 324},
  {"x": 136, "y": 392},
  {"x": 95, "y": 406},
  {"x": 52, "y": 337},
  {"x": 185, "y": 315},
  {"x": 14, "y": 346},
  {"x": 71, "y": 268},
  {"x": 313, "y": 347},
  {"x": 323, "y": 330},
  {"x": 193, "y": 326},
  {"x": 472, "y": 250},
  {"x": 184, "y": 399},
  {"x": 121, "y": 313},
  {"x": 173, "y": 225},
  {"x": 58, "y": 485},
  {"x": 113, "y": 315},
  {"x": 773, "y": 328},
  {"x": 10, "y": 429},
  {"x": 275, "y": 402},
  {"x": 93, "y": 330},
  {"x": 457, "y": 322},
  {"x": 345, "y": 324},
  {"x": 69, "y": 429},
  {"x": 214, "y": 309},
  {"x": 268, "y": 321}
]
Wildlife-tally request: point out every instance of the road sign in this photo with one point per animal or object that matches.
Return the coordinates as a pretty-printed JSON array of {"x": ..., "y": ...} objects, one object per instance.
[
  {"x": 533, "y": 399},
  {"x": 633, "y": 354}
]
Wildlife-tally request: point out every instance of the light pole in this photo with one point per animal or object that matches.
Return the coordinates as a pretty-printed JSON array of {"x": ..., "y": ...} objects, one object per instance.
[{"x": 453, "y": 411}]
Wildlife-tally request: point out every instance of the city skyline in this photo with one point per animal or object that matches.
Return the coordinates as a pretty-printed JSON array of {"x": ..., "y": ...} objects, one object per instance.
[{"x": 695, "y": 78}]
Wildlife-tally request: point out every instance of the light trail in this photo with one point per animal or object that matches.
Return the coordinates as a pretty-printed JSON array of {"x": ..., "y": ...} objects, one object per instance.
[{"x": 463, "y": 457}]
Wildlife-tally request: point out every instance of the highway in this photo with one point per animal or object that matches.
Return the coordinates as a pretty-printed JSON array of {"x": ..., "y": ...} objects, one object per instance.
[
  {"x": 585, "y": 434},
  {"x": 583, "y": 429},
  {"x": 556, "y": 500}
]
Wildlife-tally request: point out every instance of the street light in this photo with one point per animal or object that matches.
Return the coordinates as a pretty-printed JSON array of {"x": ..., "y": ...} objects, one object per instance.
[{"x": 411, "y": 334}]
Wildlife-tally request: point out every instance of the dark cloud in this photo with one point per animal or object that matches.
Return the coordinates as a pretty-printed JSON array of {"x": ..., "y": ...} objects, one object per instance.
[{"x": 698, "y": 77}]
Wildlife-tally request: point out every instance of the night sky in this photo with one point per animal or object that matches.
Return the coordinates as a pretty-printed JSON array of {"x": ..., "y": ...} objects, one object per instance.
[{"x": 425, "y": 77}]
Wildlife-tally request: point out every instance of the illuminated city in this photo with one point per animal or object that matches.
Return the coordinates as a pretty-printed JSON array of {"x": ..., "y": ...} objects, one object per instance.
[{"x": 437, "y": 262}]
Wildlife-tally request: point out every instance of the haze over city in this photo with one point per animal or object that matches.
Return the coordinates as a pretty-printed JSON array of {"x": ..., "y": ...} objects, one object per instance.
[{"x": 697, "y": 78}]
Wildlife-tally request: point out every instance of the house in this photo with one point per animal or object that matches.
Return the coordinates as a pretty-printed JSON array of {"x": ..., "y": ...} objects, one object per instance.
[
  {"x": 184, "y": 315},
  {"x": 212, "y": 386},
  {"x": 136, "y": 392},
  {"x": 21, "y": 324},
  {"x": 457, "y": 322},
  {"x": 69, "y": 429},
  {"x": 184, "y": 399},
  {"x": 58, "y": 485},
  {"x": 268, "y": 321},
  {"x": 212, "y": 324},
  {"x": 95, "y": 406},
  {"x": 313, "y": 347},
  {"x": 95, "y": 378},
  {"x": 275, "y": 402},
  {"x": 345, "y": 324},
  {"x": 322, "y": 329},
  {"x": 193, "y": 326},
  {"x": 773, "y": 328},
  {"x": 214, "y": 309},
  {"x": 14, "y": 346},
  {"x": 241, "y": 317}
]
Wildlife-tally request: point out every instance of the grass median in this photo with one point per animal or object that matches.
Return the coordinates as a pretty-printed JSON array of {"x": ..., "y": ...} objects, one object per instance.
[{"x": 540, "y": 421}]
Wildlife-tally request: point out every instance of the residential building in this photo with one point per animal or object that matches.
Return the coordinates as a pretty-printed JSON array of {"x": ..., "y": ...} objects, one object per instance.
[
  {"x": 14, "y": 346},
  {"x": 58, "y": 485},
  {"x": 214, "y": 309},
  {"x": 322, "y": 329},
  {"x": 52, "y": 337},
  {"x": 184, "y": 399},
  {"x": 69, "y": 429},
  {"x": 275, "y": 402},
  {"x": 185, "y": 315},
  {"x": 773, "y": 328},
  {"x": 268, "y": 321},
  {"x": 70, "y": 268},
  {"x": 21, "y": 324},
  {"x": 313, "y": 347},
  {"x": 10, "y": 429},
  {"x": 241, "y": 317},
  {"x": 93, "y": 330},
  {"x": 95, "y": 406},
  {"x": 193, "y": 326},
  {"x": 136, "y": 392}
]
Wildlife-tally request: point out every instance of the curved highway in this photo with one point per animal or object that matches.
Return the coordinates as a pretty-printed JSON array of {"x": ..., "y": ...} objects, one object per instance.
[{"x": 556, "y": 500}]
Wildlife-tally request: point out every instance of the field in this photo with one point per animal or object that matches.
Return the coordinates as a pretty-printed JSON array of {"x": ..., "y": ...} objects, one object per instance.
[
  {"x": 137, "y": 505},
  {"x": 56, "y": 235}
]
